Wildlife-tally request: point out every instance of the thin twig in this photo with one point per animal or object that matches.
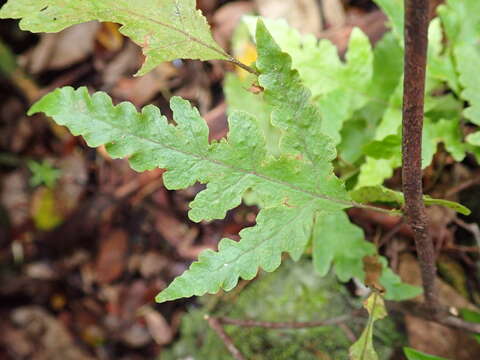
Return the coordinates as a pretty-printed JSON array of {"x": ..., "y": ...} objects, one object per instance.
[
  {"x": 218, "y": 328},
  {"x": 416, "y": 42},
  {"x": 442, "y": 316},
  {"x": 460, "y": 248},
  {"x": 464, "y": 185},
  {"x": 348, "y": 332},
  {"x": 242, "y": 65},
  {"x": 289, "y": 325},
  {"x": 473, "y": 228}
]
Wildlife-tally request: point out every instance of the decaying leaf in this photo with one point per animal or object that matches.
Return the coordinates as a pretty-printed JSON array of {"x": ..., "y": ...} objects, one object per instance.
[{"x": 363, "y": 349}]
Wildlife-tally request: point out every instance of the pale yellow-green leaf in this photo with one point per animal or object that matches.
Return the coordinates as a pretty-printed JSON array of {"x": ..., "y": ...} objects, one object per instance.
[{"x": 363, "y": 348}]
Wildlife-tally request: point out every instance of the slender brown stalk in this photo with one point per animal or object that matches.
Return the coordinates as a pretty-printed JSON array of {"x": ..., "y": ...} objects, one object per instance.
[
  {"x": 242, "y": 65},
  {"x": 289, "y": 325},
  {"x": 416, "y": 42},
  {"x": 218, "y": 328},
  {"x": 442, "y": 315}
]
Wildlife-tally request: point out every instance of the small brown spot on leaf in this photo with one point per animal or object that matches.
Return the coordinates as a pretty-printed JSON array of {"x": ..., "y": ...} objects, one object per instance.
[
  {"x": 256, "y": 89},
  {"x": 373, "y": 272}
]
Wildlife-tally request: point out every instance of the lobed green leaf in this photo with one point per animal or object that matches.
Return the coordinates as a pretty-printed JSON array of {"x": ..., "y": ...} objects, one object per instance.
[
  {"x": 165, "y": 29},
  {"x": 337, "y": 88},
  {"x": 278, "y": 230}
]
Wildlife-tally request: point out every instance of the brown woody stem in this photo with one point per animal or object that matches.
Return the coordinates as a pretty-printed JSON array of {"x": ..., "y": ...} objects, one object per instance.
[
  {"x": 416, "y": 42},
  {"x": 442, "y": 315},
  {"x": 289, "y": 325},
  {"x": 220, "y": 331}
]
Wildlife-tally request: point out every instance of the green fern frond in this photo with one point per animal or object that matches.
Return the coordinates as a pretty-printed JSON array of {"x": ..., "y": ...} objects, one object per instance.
[{"x": 165, "y": 29}]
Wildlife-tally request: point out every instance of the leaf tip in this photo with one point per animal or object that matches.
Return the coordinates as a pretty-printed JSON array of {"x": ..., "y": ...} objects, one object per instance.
[
  {"x": 48, "y": 101},
  {"x": 161, "y": 298}
]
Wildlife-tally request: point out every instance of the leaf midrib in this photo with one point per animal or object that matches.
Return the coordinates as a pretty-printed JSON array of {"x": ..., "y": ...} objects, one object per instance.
[
  {"x": 125, "y": 131},
  {"x": 113, "y": 4},
  {"x": 252, "y": 248},
  {"x": 171, "y": 27},
  {"x": 254, "y": 173},
  {"x": 229, "y": 166}
]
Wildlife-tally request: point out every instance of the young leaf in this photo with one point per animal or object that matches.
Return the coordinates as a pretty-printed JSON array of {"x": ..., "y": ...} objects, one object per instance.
[
  {"x": 363, "y": 349},
  {"x": 381, "y": 194},
  {"x": 471, "y": 316},
  {"x": 43, "y": 173},
  {"x": 463, "y": 31},
  {"x": 387, "y": 72},
  {"x": 440, "y": 62},
  {"x": 317, "y": 62},
  {"x": 474, "y": 139},
  {"x": 395, "y": 289},
  {"x": 338, "y": 88},
  {"x": 440, "y": 71},
  {"x": 385, "y": 148},
  {"x": 165, "y": 29},
  {"x": 394, "y": 10},
  {"x": 333, "y": 233},
  {"x": 384, "y": 155},
  {"x": 449, "y": 131},
  {"x": 239, "y": 99},
  {"x": 292, "y": 109},
  {"x": 466, "y": 55},
  {"x": 413, "y": 354}
]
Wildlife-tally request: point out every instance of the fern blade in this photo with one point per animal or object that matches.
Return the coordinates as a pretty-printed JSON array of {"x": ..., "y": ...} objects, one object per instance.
[{"x": 165, "y": 29}]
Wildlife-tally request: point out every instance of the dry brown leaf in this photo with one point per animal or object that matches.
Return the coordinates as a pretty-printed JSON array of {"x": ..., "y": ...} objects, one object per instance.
[
  {"x": 57, "y": 51},
  {"x": 109, "y": 36},
  {"x": 136, "y": 336},
  {"x": 305, "y": 15},
  {"x": 50, "y": 338},
  {"x": 152, "y": 264},
  {"x": 14, "y": 197},
  {"x": 111, "y": 258},
  {"x": 334, "y": 13},
  {"x": 174, "y": 231},
  {"x": 40, "y": 270},
  {"x": 125, "y": 63},
  {"x": 157, "y": 326},
  {"x": 227, "y": 18},
  {"x": 16, "y": 342},
  {"x": 72, "y": 182},
  {"x": 140, "y": 90},
  {"x": 373, "y": 271}
]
